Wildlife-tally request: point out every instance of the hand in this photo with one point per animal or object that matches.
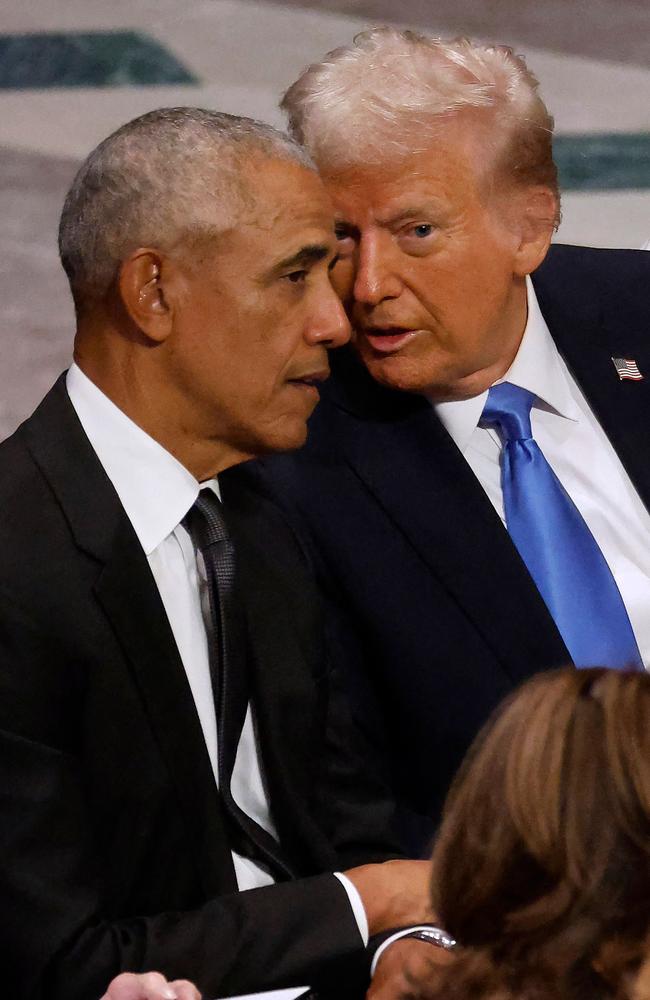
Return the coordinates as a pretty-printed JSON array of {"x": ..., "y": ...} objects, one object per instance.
[
  {"x": 149, "y": 986},
  {"x": 407, "y": 970},
  {"x": 394, "y": 894}
]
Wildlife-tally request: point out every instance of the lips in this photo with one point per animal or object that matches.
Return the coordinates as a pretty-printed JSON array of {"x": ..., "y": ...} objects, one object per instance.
[
  {"x": 387, "y": 340},
  {"x": 310, "y": 380}
]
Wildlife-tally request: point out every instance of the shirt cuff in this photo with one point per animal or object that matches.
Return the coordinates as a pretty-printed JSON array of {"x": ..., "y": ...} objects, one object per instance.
[
  {"x": 436, "y": 935},
  {"x": 358, "y": 908}
]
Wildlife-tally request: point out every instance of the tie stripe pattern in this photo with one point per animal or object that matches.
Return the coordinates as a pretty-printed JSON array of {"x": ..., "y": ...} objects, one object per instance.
[
  {"x": 207, "y": 525},
  {"x": 212, "y": 538}
]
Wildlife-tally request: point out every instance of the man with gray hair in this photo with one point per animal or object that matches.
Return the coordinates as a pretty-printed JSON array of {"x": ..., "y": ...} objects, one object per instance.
[
  {"x": 475, "y": 486},
  {"x": 171, "y": 728}
]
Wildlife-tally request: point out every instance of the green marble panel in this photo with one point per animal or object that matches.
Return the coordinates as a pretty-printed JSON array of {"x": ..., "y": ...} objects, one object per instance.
[
  {"x": 87, "y": 59},
  {"x": 604, "y": 161}
]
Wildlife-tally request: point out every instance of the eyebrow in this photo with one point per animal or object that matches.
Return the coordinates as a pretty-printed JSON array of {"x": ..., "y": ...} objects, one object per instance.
[
  {"x": 310, "y": 254},
  {"x": 412, "y": 212}
]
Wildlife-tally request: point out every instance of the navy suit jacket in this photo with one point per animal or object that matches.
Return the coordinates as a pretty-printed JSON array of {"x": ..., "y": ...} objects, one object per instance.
[{"x": 433, "y": 612}]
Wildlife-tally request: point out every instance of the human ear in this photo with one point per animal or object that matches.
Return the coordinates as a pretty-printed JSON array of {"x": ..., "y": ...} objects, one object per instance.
[
  {"x": 142, "y": 285},
  {"x": 536, "y": 217}
]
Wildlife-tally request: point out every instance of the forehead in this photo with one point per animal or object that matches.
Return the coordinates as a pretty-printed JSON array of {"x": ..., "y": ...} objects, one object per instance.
[
  {"x": 447, "y": 172},
  {"x": 284, "y": 204}
]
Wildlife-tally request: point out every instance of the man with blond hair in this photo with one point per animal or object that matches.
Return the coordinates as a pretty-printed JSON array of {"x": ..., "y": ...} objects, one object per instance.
[{"x": 475, "y": 485}]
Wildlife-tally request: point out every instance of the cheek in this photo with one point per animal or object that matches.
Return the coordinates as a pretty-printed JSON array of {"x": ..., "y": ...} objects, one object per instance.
[
  {"x": 343, "y": 279},
  {"x": 263, "y": 368},
  {"x": 461, "y": 293}
]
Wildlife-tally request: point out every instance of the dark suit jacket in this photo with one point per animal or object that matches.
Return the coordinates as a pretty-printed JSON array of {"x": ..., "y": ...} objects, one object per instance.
[
  {"x": 113, "y": 854},
  {"x": 435, "y": 613}
]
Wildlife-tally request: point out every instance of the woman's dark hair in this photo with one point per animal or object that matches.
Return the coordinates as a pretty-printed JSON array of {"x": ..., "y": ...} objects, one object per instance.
[{"x": 541, "y": 869}]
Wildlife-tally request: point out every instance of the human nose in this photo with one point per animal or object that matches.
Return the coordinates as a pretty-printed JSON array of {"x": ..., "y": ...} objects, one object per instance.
[
  {"x": 329, "y": 324},
  {"x": 376, "y": 278}
]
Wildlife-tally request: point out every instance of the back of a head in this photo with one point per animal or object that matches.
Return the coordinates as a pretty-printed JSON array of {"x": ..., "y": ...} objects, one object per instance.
[
  {"x": 542, "y": 865},
  {"x": 389, "y": 93},
  {"x": 170, "y": 175}
]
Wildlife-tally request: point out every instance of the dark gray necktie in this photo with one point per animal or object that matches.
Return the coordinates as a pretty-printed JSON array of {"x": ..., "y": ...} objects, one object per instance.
[
  {"x": 227, "y": 655},
  {"x": 208, "y": 529}
]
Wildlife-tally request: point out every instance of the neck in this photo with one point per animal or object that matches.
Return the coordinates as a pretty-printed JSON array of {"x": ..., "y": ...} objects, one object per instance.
[{"x": 138, "y": 386}]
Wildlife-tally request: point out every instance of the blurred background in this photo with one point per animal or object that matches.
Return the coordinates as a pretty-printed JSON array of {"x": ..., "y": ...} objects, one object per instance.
[{"x": 73, "y": 70}]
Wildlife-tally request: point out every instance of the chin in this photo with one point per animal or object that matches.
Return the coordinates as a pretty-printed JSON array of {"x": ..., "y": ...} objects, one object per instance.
[
  {"x": 402, "y": 373},
  {"x": 288, "y": 438}
]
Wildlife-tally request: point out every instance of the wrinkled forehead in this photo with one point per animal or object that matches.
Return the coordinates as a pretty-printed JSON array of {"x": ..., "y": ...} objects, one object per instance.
[
  {"x": 467, "y": 146},
  {"x": 280, "y": 195},
  {"x": 284, "y": 218},
  {"x": 439, "y": 176}
]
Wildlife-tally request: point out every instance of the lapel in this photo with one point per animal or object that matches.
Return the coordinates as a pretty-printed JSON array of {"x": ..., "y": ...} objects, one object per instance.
[
  {"x": 280, "y": 666},
  {"x": 400, "y": 450},
  {"x": 591, "y": 322},
  {"x": 129, "y": 598}
]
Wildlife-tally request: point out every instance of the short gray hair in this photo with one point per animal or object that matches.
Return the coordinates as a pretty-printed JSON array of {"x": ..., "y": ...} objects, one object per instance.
[
  {"x": 168, "y": 175},
  {"x": 389, "y": 93}
]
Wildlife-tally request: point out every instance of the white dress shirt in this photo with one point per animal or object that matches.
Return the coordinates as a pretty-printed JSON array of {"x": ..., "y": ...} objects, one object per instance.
[
  {"x": 579, "y": 452},
  {"x": 156, "y": 492}
]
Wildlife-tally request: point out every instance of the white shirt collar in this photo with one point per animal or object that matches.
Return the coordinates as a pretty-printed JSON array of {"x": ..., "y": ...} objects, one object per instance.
[
  {"x": 536, "y": 367},
  {"x": 155, "y": 490}
]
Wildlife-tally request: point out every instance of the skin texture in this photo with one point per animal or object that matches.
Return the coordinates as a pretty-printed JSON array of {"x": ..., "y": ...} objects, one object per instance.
[
  {"x": 205, "y": 349},
  {"x": 435, "y": 252},
  {"x": 394, "y": 894},
  {"x": 405, "y": 964},
  {"x": 149, "y": 986}
]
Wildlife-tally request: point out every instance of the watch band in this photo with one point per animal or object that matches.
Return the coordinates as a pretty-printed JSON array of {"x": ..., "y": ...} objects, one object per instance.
[
  {"x": 424, "y": 932},
  {"x": 433, "y": 935}
]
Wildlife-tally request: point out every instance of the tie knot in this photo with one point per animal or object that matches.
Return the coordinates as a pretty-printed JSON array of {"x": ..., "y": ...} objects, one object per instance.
[
  {"x": 508, "y": 408},
  {"x": 205, "y": 520}
]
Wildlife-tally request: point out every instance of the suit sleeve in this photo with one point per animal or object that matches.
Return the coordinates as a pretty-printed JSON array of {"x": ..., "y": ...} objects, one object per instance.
[
  {"x": 357, "y": 807},
  {"x": 60, "y": 940},
  {"x": 354, "y": 662}
]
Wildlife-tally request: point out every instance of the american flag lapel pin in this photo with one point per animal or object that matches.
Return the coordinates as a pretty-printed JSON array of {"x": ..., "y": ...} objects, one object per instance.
[{"x": 627, "y": 368}]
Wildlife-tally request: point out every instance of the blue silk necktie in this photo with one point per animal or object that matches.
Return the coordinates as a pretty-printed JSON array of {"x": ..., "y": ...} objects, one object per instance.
[{"x": 558, "y": 548}]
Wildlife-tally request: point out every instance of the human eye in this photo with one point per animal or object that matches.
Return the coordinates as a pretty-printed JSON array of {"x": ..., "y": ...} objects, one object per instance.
[
  {"x": 417, "y": 230},
  {"x": 344, "y": 239},
  {"x": 297, "y": 277},
  {"x": 417, "y": 237}
]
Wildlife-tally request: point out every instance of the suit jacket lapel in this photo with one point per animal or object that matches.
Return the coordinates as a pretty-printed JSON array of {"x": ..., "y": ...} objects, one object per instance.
[
  {"x": 127, "y": 592},
  {"x": 280, "y": 676},
  {"x": 405, "y": 457},
  {"x": 280, "y": 699},
  {"x": 128, "y": 595},
  {"x": 590, "y": 326}
]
